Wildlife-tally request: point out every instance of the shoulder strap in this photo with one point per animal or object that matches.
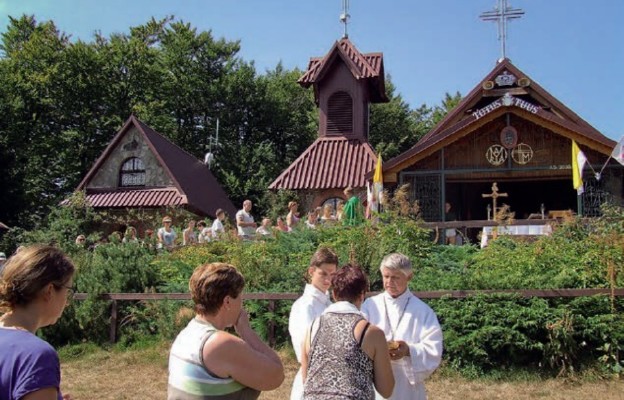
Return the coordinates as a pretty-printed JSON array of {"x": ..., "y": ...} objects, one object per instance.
[{"x": 363, "y": 333}]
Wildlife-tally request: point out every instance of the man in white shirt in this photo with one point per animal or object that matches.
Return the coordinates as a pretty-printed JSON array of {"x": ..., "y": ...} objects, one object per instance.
[
  {"x": 245, "y": 221},
  {"x": 310, "y": 305},
  {"x": 411, "y": 327}
]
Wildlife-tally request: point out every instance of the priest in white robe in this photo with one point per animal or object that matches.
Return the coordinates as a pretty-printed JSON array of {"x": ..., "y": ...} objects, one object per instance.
[{"x": 412, "y": 330}]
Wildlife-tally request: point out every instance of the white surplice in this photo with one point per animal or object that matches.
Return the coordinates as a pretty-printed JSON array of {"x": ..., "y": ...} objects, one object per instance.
[
  {"x": 419, "y": 328},
  {"x": 305, "y": 310}
]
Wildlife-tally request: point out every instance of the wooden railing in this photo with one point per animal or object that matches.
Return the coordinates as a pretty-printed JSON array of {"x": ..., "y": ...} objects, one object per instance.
[{"x": 273, "y": 297}]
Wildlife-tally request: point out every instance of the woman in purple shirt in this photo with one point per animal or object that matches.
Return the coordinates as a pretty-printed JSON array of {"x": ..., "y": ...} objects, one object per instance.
[{"x": 34, "y": 290}]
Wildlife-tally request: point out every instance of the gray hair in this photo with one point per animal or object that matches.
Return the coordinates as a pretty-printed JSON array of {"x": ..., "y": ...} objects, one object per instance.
[{"x": 397, "y": 262}]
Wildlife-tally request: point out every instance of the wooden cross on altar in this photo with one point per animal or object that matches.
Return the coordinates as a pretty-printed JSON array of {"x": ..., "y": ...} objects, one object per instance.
[{"x": 494, "y": 195}]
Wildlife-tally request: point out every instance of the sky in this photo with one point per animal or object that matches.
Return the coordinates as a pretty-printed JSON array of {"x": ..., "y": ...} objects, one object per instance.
[{"x": 572, "y": 48}]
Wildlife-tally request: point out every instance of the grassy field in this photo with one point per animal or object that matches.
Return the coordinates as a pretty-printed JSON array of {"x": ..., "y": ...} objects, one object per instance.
[{"x": 141, "y": 373}]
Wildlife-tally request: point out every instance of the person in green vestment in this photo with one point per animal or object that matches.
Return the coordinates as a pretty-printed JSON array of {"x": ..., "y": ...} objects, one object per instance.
[{"x": 352, "y": 213}]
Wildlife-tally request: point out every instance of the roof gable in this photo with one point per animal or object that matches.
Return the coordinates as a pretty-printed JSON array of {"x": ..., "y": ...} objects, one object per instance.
[
  {"x": 362, "y": 66},
  {"x": 505, "y": 89},
  {"x": 196, "y": 186}
]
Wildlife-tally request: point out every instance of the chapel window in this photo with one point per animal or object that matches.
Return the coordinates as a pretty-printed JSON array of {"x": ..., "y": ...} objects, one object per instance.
[
  {"x": 340, "y": 114},
  {"x": 132, "y": 173}
]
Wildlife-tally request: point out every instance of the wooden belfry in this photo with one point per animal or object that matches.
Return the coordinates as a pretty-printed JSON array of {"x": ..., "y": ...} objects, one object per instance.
[{"x": 494, "y": 195}]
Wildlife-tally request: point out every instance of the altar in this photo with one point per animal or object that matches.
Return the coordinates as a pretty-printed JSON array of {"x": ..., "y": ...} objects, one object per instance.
[{"x": 514, "y": 230}]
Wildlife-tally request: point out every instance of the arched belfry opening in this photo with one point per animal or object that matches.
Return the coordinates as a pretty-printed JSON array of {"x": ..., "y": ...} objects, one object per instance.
[{"x": 340, "y": 114}]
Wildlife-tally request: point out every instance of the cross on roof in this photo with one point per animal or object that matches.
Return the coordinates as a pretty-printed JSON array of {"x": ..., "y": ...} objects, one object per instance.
[
  {"x": 344, "y": 17},
  {"x": 501, "y": 14}
]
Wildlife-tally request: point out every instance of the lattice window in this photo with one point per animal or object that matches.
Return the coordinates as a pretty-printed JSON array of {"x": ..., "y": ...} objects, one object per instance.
[
  {"x": 340, "y": 114},
  {"x": 132, "y": 173},
  {"x": 426, "y": 190},
  {"x": 593, "y": 197}
]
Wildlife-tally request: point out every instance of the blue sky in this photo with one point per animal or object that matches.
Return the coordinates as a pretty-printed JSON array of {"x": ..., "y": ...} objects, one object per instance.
[{"x": 573, "y": 48}]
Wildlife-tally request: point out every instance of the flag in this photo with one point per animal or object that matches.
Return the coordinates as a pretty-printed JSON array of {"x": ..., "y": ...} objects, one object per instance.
[
  {"x": 618, "y": 151},
  {"x": 377, "y": 186},
  {"x": 578, "y": 163}
]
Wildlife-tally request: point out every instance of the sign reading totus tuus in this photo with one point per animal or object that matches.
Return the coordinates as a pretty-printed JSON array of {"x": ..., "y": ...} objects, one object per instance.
[{"x": 507, "y": 100}]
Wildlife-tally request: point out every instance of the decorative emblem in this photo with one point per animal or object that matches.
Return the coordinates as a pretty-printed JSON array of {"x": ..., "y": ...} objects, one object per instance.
[
  {"x": 507, "y": 99},
  {"x": 488, "y": 85},
  {"x": 524, "y": 82},
  {"x": 130, "y": 146},
  {"x": 509, "y": 137},
  {"x": 496, "y": 154},
  {"x": 505, "y": 79},
  {"x": 522, "y": 154}
]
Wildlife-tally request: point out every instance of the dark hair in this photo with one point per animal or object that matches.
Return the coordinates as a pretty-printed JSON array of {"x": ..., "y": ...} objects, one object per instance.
[
  {"x": 210, "y": 283},
  {"x": 348, "y": 283},
  {"x": 324, "y": 255},
  {"x": 201, "y": 223},
  {"x": 29, "y": 271}
]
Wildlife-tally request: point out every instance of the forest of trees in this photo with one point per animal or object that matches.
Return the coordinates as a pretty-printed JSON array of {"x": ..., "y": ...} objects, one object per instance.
[{"x": 62, "y": 101}]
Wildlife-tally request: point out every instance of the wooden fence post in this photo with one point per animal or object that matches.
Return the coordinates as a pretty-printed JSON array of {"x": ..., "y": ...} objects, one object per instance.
[
  {"x": 272, "y": 324},
  {"x": 113, "y": 322}
]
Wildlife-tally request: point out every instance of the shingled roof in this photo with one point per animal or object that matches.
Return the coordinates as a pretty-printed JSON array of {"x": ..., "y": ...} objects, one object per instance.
[
  {"x": 194, "y": 186},
  {"x": 462, "y": 120},
  {"x": 330, "y": 162},
  {"x": 362, "y": 66}
]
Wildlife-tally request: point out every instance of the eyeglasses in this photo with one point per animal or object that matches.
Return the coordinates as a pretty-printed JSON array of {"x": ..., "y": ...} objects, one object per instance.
[{"x": 70, "y": 291}]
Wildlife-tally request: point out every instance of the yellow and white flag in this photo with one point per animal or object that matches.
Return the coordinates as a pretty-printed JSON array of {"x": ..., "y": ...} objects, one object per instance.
[
  {"x": 578, "y": 163},
  {"x": 377, "y": 191}
]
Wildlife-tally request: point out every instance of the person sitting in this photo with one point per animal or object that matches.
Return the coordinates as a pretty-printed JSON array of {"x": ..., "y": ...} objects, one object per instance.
[
  {"x": 292, "y": 219},
  {"x": 189, "y": 236},
  {"x": 81, "y": 240},
  {"x": 205, "y": 233},
  {"x": 265, "y": 228},
  {"x": 130, "y": 236},
  {"x": 34, "y": 290},
  {"x": 207, "y": 362},
  {"x": 311, "y": 220},
  {"x": 343, "y": 355},
  {"x": 327, "y": 218},
  {"x": 281, "y": 226}
]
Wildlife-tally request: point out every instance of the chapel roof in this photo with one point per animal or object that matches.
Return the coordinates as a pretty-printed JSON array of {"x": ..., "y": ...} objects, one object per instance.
[{"x": 194, "y": 186}]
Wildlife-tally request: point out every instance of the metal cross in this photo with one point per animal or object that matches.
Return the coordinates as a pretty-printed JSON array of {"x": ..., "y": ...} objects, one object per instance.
[
  {"x": 494, "y": 195},
  {"x": 344, "y": 17},
  {"x": 501, "y": 14}
]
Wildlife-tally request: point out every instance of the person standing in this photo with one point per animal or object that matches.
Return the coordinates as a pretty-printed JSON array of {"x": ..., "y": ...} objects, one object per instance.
[
  {"x": 310, "y": 305},
  {"x": 411, "y": 327},
  {"x": 292, "y": 218},
  {"x": 189, "y": 236},
  {"x": 166, "y": 234},
  {"x": 344, "y": 356},
  {"x": 245, "y": 221},
  {"x": 2, "y": 262},
  {"x": 205, "y": 233},
  {"x": 217, "y": 225},
  {"x": 449, "y": 215},
  {"x": 205, "y": 361},
  {"x": 34, "y": 290},
  {"x": 352, "y": 213}
]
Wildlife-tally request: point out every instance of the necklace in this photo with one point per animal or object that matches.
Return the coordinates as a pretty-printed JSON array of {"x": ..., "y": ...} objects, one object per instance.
[{"x": 393, "y": 330}]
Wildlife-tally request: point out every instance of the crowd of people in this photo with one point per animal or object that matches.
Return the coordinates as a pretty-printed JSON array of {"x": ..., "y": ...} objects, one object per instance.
[{"x": 355, "y": 347}]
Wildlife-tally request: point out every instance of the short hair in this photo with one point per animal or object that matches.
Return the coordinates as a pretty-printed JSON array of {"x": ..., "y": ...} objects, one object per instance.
[
  {"x": 291, "y": 204},
  {"x": 29, "y": 271},
  {"x": 201, "y": 223},
  {"x": 247, "y": 202},
  {"x": 324, "y": 255},
  {"x": 167, "y": 218},
  {"x": 219, "y": 211},
  {"x": 211, "y": 282},
  {"x": 348, "y": 283},
  {"x": 397, "y": 262}
]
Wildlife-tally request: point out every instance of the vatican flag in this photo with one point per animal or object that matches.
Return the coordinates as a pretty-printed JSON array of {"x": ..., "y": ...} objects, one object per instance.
[
  {"x": 377, "y": 186},
  {"x": 578, "y": 163}
]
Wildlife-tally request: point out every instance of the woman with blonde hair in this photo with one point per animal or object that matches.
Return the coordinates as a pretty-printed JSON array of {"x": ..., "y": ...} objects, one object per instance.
[
  {"x": 34, "y": 290},
  {"x": 206, "y": 362}
]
